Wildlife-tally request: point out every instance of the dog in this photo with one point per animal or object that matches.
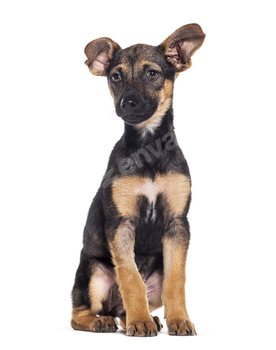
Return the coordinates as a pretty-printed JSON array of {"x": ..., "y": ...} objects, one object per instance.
[{"x": 137, "y": 234}]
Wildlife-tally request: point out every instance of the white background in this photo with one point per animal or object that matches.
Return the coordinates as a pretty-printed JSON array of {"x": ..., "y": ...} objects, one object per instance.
[{"x": 58, "y": 127}]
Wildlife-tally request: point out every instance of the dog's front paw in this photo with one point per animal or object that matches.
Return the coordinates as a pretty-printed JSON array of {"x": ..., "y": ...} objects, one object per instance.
[
  {"x": 181, "y": 327},
  {"x": 142, "y": 329}
]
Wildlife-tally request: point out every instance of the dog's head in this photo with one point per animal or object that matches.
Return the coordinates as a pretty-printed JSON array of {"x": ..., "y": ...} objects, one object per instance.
[{"x": 141, "y": 77}]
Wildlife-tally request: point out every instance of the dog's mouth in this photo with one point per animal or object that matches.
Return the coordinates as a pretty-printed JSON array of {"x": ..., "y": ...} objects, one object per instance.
[{"x": 133, "y": 119}]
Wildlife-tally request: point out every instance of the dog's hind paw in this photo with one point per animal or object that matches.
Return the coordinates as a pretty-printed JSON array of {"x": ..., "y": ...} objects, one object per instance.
[
  {"x": 104, "y": 325},
  {"x": 158, "y": 323}
]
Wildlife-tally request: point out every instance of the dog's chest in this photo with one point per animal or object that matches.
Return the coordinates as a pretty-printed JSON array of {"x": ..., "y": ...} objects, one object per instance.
[{"x": 173, "y": 187}]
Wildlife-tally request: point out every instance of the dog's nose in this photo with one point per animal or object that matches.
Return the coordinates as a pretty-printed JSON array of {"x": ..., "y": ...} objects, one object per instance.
[{"x": 129, "y": 103}]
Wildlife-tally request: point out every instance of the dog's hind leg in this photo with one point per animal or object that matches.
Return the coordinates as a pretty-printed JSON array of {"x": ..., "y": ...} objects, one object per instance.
[
  {"x": 154, "y": 286},
  {"x": 92, "y": 284},
  {"x": 84, "y": 320}
]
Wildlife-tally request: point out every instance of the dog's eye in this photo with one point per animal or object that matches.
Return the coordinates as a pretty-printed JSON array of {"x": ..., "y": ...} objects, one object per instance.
[
  {"x": 152, "y": 75},
  {"x": 116, "y": 77}
]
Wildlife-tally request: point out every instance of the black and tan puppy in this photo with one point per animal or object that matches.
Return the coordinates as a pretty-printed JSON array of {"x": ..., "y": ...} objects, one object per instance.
[{"x": 137, "y": 234}]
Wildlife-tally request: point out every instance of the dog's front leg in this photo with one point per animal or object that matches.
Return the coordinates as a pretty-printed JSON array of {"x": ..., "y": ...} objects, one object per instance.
[
  {"x": 132, "y": 288},
  {"x": 175, "y": 247}
]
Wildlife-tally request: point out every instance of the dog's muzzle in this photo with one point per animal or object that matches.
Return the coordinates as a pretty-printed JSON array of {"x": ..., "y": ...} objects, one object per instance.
[{"x": 133, "y": 108}]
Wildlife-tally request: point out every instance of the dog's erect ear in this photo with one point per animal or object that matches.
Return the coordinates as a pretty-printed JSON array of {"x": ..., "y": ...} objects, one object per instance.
[
  {"x": 99, "y": 53},
  {"x": 181, "y": 45}
]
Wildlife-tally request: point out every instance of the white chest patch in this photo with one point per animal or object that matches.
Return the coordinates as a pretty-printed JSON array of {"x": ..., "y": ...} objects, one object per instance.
[{"x": 149, "y": 189}]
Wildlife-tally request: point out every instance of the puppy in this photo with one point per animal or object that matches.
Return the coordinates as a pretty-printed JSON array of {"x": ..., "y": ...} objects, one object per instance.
[{"x": 137, "y": 234}]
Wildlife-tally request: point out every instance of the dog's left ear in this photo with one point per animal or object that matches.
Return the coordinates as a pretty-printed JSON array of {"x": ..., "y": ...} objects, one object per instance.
[
  {"x": 181, "y": 45},
  {"x": 99, "y": 53}
]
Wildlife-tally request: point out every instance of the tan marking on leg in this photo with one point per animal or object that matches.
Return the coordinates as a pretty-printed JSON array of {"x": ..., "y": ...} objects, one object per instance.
[
  {"x": 176, "y": 190},
  {"x": 82, "y": 319},
  {"x": 132, "y": 288},
  {"x": 175, "y": 255},
  {"x": 173, "y": 295},
  {"x": 134, "y": 294},
  {"x": 99, "y": 286}
]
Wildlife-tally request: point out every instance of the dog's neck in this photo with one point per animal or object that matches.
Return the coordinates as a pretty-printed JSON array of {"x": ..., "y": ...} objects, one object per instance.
[{"x": 136, "y": 138}]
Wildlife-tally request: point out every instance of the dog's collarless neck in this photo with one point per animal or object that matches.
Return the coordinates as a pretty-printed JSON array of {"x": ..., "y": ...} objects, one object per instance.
[{"x": 134, "y": 137}]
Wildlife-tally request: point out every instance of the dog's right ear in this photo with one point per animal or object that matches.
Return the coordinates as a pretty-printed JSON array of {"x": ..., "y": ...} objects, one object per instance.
[
  {"x": 99, "y": 53},
  {"x": 179, "y": 47}
]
